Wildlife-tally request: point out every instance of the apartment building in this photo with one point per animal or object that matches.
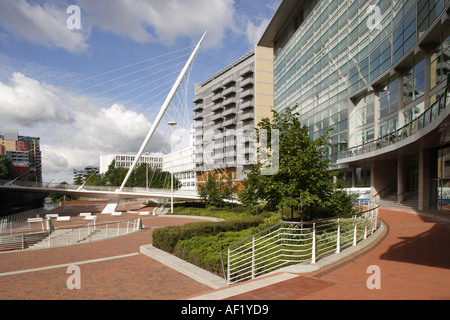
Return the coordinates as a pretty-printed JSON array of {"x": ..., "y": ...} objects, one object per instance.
[
  {"x": 154, "y": 160},
  {"x": 227, "y": 106},
  {"x": 23, "y": 151},
  {"x": 375, "y": 72}
]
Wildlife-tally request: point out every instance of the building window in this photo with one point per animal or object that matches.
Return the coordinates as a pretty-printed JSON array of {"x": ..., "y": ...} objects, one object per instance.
[
  {"x": 414, "y": 83},
  {"x": 404, "y": 37},
  {"x": 380, "y": 59},
  {"x": 388, "y": 97},
  {"x": 440, "y": 63},
  {"x": 427, "y": 12}
]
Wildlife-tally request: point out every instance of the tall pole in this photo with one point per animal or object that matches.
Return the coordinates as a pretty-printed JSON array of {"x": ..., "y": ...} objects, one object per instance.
[
  {"x": 162, "y": 112},
  {"x": 171, "y": 124}
]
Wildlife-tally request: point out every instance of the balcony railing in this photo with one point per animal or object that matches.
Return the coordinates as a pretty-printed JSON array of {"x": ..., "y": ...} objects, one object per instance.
[{"x": 411, "y": 128}]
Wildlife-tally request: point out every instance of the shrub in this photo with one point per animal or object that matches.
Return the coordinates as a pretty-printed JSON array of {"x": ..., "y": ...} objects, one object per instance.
[
  {"x": 167, "y": 238},
  {"x": 204, "y": 251}
]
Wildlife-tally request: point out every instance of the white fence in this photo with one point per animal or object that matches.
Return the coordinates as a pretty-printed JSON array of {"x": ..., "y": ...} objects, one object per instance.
[
  {"x": 289, "y": 243},
  {"x": 15, "y": 237}
]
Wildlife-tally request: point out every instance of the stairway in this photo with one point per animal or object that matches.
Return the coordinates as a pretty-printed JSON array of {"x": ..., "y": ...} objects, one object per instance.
[
  {"x": 411, "y": 200},
  {"x": 62, "y": 237}
]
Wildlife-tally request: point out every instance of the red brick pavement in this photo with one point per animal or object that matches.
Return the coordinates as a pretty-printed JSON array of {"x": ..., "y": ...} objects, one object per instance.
[
  {"x": 135, "y": 277},
  {"x": 413, "y": 256}
]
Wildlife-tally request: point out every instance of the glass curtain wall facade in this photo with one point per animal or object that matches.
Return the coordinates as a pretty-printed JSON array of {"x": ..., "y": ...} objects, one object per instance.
[
  {"x": 375, "y": 73},
  {"x": 352, "y": 70}
]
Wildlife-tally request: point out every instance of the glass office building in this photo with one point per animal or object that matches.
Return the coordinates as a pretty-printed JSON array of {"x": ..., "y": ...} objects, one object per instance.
[{"x": 375, "y": 72}]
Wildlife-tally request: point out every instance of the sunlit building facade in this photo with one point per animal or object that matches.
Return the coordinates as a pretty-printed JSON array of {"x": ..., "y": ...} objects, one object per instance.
[{"x": 375, "y": 74}]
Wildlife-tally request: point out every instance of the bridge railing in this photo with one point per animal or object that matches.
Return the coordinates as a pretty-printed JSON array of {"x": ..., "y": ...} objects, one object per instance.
[
  {"x": 290, "y": 243},
  {"x": 64, "y": 186},
  {"x": 22, "y": 237}
]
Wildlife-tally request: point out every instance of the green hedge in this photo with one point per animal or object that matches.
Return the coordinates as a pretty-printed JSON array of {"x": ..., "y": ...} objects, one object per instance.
[
  {"x": 204, "y": 251},
  {"x": 167, "y": 238}
]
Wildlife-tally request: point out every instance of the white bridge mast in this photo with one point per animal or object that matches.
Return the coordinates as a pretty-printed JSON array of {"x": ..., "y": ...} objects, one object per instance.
[{"x": 162, "y": 112}]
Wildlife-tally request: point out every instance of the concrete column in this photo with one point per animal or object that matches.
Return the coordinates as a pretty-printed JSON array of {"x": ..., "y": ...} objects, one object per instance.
[
  {"x": 424, "y": 179},
  {"x": 401, "y": 116},
  {"x": 427, "y": 79},
  {"x": 354, "y": 177},
  {"x": 373, "y": 188},
  {"x": 376, "y": 110},
  {"x": 400, "y": 180}
]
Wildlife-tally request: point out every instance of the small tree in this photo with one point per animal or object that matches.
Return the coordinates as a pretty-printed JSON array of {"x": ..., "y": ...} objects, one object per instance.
[
  {"x": 303, "y": 181},
  {"x": 229, "y": 190},
  {"x": 211, "y": 191}
]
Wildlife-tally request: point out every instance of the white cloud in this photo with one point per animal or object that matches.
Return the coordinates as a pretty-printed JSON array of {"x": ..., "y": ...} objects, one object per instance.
[
  {"x": 43, "y": 25},
  {"x": 255, "y": 32},
  {"x": 74, "y": 130},
  {"x": 162, "y": 20},
  {"x": 26, "y": 101}
]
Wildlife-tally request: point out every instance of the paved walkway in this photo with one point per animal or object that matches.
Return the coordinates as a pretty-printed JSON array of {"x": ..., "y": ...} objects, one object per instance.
[{"x": 412, "y": 254}]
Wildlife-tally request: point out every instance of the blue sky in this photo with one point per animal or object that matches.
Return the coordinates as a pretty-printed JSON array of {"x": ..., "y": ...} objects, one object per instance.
[{"x": 96, "y": 90}]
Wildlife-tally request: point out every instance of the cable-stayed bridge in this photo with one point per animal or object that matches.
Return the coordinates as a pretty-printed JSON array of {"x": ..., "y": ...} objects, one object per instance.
[
  {"x": 99, "y": 192},
  {"x": 115, "y": 194}
]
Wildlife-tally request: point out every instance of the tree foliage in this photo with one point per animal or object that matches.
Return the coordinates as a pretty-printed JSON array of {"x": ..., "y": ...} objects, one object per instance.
[
  {"x": 303, "y": 181},
  {"x": 156, "y": 178},
  {"x": 6, "y": 170},
  {"x": 215, "y": 191}
]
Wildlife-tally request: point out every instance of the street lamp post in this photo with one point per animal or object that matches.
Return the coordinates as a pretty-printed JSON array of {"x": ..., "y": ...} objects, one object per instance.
[{"x": 171, "y": 124}]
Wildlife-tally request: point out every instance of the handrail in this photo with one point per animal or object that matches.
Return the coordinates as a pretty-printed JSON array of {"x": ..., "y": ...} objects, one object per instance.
[
  {"x": 384, "y": 190},
  {"x": 279, "y": 246}
]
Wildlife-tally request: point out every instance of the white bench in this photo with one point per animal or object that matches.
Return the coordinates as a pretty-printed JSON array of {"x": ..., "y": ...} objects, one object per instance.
[
  {"x": 144, "y": 213},
  {"x": 116, "y": 213},
  {"x": 52, "y": 215},
  {"x": 90, "y": 217},
  {"x": 85, "y": 214},
  {"x": 35, "y": 220},
  {"x": 66, "y": 218}
]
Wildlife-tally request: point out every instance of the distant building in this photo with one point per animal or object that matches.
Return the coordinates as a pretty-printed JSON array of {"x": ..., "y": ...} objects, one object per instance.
[
  {"x": 24, "y": 152},
  {"x": 183, "y": 167},
  {"x": 155, "y": 160},
  {"x": 83, "y": 174}
]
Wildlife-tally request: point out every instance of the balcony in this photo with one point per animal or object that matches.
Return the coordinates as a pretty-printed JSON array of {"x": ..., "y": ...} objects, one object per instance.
[
  {"x": 217, "y": 117},
  {"x": 229, "y": 91},
  {"x": 247, "y": 93},
  {"x": 198, "y": 125},
  {"x": 216, "y": 97},
  {"x": 229, "y": 101},
  {"x": 247, "y": 82},
  {"x": 229, "y": 81},
  {"x": 216, "y": 88},
  {"x": 247, "y": 116},
  {"x": 217, "y": 107},
  {"x": 198, "y": 107},
  {"x": 198, "y": 116},
  {"x": 246, "y": 71},
  {"x": 229, "y": 123},
  {"x": 408, "y": 134},
  {"x": 198, "y": 100},
  {"x": 229, "y": 112},
  {"x": 247, "y": 104}
]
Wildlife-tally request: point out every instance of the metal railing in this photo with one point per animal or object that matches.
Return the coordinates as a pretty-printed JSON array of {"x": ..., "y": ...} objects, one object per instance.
[
  {"x": 6, "y": 220},
  {"x": 290, "y": 243},
  {"x": 411, "y": 128},
  {"x": 62, "y": 186},
  {"x": 18, "y": 239}
]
